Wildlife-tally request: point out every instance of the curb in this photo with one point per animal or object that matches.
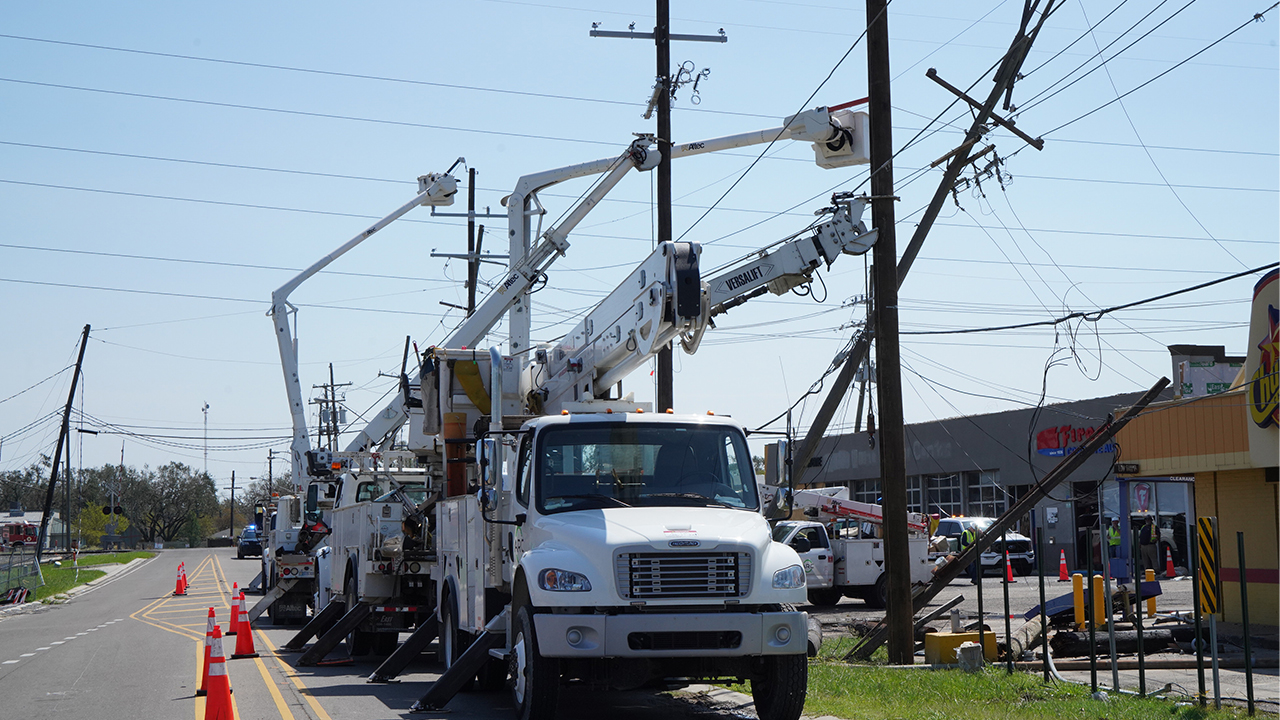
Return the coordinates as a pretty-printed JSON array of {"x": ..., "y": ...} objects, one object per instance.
[{"x": 725, "y": 700}]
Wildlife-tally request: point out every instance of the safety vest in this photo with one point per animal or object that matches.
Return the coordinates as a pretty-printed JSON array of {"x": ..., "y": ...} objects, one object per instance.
[
  {"x": 967, "y": 539},
  {"x": 1113, "y": 536}
]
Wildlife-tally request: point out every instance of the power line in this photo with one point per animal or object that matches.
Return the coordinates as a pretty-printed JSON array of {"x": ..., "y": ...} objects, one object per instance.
[
  {"x": 1256, "y": 17},
  {"x": 1097, "y": 315},
  {"x": 357, "y": 76}
]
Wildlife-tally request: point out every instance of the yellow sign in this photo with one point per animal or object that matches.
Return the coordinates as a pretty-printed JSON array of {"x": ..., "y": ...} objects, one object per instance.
[
  {"x": 1262, "y": 371},
  {"x": 1210, "y": 585}
]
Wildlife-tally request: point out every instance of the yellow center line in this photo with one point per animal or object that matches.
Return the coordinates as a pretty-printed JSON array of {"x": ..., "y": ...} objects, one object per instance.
[
  {"x": 199, "y": 677},
  {"x": 289, "y": 673},
  {"x": 285, "y": 714}
]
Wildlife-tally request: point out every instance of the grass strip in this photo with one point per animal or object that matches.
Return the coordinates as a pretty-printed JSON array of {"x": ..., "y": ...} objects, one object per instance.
[{"x": 878, "y": 692}]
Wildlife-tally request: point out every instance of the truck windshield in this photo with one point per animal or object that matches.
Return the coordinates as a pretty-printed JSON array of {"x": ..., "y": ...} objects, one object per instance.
[{"x": 605, "y": 465}]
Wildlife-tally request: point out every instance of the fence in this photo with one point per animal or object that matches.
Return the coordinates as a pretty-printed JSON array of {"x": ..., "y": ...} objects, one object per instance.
[{"x": 18, "y": 569}]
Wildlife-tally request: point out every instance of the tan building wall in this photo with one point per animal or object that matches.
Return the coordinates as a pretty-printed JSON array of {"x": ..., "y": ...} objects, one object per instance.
[{"x": 1243, "y": 501}]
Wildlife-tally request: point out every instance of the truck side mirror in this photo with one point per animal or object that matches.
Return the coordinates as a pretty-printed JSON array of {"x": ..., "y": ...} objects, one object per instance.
[
  {"x": 800, "y": 544},
  {"x": 313, "y": 498},
  {"x": 485, "y": 452}
]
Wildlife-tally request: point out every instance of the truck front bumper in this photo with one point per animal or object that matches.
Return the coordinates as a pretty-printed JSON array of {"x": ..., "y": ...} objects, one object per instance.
[{"x": 672, "y": 635}]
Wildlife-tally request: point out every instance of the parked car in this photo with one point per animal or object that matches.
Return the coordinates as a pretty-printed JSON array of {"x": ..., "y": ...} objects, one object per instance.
[
  {"x": 1022, "y": 554},
  {"x": 250, "y": 543}
]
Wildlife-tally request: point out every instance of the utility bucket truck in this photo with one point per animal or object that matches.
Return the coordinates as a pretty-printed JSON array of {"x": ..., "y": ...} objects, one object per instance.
[
  {"x": 545, "y": 529},
  {"x": 843, "y": 552}
]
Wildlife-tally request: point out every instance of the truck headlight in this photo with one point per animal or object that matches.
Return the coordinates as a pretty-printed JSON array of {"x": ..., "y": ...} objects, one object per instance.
[
  {"x": 789, "y": 578},
  {"x": 563, "y": 581}
]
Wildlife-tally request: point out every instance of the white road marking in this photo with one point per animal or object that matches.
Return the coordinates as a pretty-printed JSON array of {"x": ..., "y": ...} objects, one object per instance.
[
  {"x": 57, "y": 642},
  {"x": 79, "y": 634},
  {"x": 9, "y": 662},
  {"x": 43, "y": 648},
  {"x": 27, "y": 655}
]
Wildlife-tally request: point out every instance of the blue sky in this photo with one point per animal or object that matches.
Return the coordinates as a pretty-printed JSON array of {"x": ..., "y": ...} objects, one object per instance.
[{"x": 164, "y": 167}]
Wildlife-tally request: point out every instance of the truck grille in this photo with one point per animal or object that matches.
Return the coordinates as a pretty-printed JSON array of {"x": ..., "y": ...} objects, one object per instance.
[
  {"x": 650, "y": 575},
  {"x": 710, "y": 640}
]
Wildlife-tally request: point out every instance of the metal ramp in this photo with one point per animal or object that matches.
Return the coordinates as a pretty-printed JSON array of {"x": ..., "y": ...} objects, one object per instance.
[
  {"x": 408, "y": 650},
  {"x": 255, "y": 586},
  {"x": 334, "y": 635},
  {"x": 276, "y": 593},
  {"x": 470, "y": 663},
  {"x": 316, "y": 625}
]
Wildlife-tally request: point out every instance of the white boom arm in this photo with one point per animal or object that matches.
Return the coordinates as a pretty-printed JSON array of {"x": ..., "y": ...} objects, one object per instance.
[
  {"x": 664, "y": 298},
  {"x": 839, "y": 140},
  {"x": 834, "y": 508},
  {"x": 435, "y": 190}
]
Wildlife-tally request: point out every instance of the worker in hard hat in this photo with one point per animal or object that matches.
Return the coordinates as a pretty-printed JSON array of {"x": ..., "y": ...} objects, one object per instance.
[
  {"x": 1148, "y": 541},
  {"x": 1113, "y": 538},
  {"x": 968, "y": 539}
]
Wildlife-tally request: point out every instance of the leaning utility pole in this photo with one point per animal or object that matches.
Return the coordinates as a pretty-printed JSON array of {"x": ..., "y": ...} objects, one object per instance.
[
  {"x": 893, "y": 461},
  {"x": 57, "y": 452},
  {"x": 957, "y": 160}
]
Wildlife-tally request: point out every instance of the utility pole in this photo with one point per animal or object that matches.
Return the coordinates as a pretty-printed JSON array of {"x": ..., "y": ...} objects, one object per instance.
[
  {"x": 893, "y": 461},
  {"x": 661, "y": 36},
  {"x": 662, "y": 39},
  {"x": 328, "y": 402},
  {"x": 231, "y": 525},
  {"x": 205, "y": 409},
  {"x": 57, "y": 452}
]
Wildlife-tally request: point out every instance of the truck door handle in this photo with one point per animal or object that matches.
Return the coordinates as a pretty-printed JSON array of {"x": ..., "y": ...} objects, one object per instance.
[{"x": 822, "y": 557}]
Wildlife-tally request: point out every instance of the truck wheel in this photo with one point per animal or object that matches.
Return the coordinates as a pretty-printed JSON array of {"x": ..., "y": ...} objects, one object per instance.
[
  {"x": 779, "y": 690},
  {"x": 535, "y": 684},
  {"x": 360, "y": 642},
  {"x": 878, "y": 596},
  {"x": 448, "y": 649},
  {"x": 824, "y": 597},
  {"x": 272, "y": 613}
]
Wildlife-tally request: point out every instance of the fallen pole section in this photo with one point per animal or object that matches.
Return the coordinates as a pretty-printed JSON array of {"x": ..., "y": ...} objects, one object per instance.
[{"x": 986, "y": 539}]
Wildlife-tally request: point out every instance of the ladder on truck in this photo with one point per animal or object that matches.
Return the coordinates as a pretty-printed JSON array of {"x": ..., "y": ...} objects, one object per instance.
[{"x": 830, "y": 507}]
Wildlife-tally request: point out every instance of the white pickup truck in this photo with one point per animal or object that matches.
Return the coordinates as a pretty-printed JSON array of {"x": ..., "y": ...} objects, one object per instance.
[
  {"x": 1022, "y": 553},
  {"x": 844, "y": 558}
]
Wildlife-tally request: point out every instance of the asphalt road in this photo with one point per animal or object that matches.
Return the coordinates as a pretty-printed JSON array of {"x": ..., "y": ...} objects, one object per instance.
[{"x": 127, "y": 648}]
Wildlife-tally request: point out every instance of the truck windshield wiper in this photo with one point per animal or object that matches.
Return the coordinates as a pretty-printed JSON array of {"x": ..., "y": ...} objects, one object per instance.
[
  {"x": 689, "y": 496},
  {"x": 590, "y": 496}
]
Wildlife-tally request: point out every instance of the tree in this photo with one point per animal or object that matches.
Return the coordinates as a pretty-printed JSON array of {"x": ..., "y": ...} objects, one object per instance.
[
  {"x": 165, "y": 502},
  {"x": 27, "y": 486}
]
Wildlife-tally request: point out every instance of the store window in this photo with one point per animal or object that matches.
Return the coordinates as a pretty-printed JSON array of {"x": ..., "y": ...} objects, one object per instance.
[
  {"x": 867, "y": 491},
  {"x": 987, "y": 498},
  {"x": 945, "y": 494}
]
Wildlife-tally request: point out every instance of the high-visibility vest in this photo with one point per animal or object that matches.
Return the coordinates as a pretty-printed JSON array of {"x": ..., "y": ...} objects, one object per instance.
[
  {"x": 1113, "y": 536},
  {"x": 967, "y": 539}
]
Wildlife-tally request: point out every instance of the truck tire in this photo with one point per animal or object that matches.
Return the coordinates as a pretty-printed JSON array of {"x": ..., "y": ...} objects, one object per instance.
[
  {"x": 535, "y": 680},
  {"x": 359, "y": 642},
  {"x": 448, "y": 648},
  {"x": 779, "y": 689},
  {"x": 825, "y": 597},
  {"x": 878, "y": 596}
]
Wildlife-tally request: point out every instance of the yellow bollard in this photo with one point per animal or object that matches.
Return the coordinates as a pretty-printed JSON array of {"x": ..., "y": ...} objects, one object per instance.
[
  {"x": 1077, "y": 593},
  {"x": 1151, "y": 601},
  {"x": 1099, "y": 602}
]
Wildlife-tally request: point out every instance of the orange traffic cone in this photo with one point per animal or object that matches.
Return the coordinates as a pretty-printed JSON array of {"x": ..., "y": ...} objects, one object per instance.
[
  {"x": 182, "y": 568},
  {"x": 208, "y": 645},
  {"x": 1169, "y": 570},
  {"x": 1063, "y": 576},
  {"x": 244, "y": 641},
  {"x": 180, "y": 588},
  {"x": 218, "y": 705},
  {"x": 1008, "y": 569},
  {"x": 233, "y": 626}
]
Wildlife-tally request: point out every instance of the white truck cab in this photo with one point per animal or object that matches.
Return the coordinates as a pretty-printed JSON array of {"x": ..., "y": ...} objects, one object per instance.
[{"x": 634, "y": 550}]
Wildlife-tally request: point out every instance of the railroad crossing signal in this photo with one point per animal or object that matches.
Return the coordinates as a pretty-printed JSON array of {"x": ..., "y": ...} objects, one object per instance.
[{"x": 1210, "y": 580}]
